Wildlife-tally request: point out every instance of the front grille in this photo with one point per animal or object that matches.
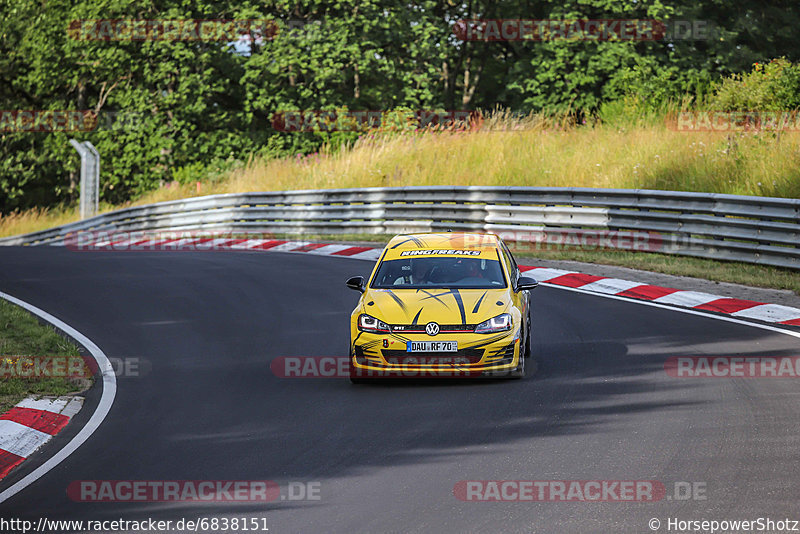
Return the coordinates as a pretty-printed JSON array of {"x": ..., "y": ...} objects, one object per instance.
[
  {"x": 401, "y": 357},
  {"x": 413, "y": 328}
]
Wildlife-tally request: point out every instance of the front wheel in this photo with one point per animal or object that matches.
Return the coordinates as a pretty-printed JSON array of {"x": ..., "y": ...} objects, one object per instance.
[
  {"x": 355, "y": 377},
  {"x": 355, "y": 380},
  {"x": 528, "y": 339}
]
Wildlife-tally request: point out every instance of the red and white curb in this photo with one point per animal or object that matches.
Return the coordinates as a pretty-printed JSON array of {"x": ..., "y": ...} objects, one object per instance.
[
  {"x": 105, "y": 377},
  {"x": 30, "y": 424},
  {"x": 212, "y": 244},
  {"x": 744, "y": 309}
]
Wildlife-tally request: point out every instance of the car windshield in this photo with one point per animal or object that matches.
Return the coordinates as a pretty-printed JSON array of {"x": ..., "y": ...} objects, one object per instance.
[{"x": 442, "y": 271}]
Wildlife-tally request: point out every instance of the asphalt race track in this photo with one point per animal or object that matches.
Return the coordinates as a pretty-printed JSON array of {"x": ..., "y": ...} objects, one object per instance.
[{"x": 388, "y": 456}]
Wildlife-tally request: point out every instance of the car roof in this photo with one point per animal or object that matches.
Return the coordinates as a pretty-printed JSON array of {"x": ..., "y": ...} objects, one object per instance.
[{"x": 443, "y": 244}]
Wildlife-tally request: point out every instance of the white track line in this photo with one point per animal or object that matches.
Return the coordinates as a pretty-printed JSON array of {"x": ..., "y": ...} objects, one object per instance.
[
  {"x": 100, "y": 413},
  {"x": 681, "y": 310}
]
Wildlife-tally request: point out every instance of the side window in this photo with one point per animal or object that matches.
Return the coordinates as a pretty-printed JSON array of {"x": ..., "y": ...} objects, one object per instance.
[{"x": 512, "y": 265}]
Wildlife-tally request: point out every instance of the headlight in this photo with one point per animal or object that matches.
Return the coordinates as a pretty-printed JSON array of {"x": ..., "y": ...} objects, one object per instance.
[
  {"x": 495, "y": 324},
  {"x": 368, "y": 323}
]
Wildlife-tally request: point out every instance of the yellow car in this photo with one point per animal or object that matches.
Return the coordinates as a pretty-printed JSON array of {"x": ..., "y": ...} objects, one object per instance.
[{"x": 448, "y": 304}]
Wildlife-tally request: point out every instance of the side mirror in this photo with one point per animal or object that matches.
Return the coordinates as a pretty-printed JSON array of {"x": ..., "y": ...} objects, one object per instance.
[
  {"x": 526, "y": 283},
  {"x": 356, "y": 282}
]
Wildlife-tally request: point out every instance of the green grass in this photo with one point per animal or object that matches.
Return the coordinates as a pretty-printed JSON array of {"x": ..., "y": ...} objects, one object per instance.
[{"x": 22, "y": 335}]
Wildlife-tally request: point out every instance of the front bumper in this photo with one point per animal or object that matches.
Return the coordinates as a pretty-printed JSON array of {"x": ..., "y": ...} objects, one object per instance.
[{"x": 384, "y": 354}]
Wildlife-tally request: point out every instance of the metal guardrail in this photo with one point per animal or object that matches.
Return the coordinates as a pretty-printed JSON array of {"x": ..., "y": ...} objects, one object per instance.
[{"x": 758, "y": 230}]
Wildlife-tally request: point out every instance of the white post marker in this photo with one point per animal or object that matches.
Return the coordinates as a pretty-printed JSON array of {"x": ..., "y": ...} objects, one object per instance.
[{"x": 90, "y": 177}]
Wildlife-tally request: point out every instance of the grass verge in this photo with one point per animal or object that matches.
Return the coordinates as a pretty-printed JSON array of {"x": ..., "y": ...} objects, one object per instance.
[{"x": 22, "y": 338}]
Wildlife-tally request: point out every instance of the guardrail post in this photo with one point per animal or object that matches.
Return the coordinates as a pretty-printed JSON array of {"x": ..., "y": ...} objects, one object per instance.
[{"x": 90, "y": 177}]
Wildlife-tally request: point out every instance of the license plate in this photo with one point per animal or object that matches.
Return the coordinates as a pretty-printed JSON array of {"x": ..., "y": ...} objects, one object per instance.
[{"x": 431, "y": 346}]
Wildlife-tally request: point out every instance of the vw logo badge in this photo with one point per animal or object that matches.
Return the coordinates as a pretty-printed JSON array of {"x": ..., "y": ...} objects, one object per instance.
[{"x": 432, "y": 329}]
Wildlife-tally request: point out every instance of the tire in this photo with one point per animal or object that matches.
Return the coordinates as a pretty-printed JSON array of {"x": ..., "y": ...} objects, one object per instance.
[
  {"x": 354, "y": 378},
  {"x": 528, "y": 339}
]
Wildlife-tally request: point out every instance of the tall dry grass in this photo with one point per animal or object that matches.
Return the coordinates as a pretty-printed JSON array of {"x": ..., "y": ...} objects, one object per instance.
[
  {"x": 507, "y": 151},
  {"x": 649, "y": 157}
]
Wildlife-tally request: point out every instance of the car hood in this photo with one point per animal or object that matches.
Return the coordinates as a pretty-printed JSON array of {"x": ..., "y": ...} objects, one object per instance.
[{"x": 444, "y": 306}]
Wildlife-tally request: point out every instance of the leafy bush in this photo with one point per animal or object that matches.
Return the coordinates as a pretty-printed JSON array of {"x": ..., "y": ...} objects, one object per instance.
[
  {"x": 645, "y": 93},
  {"x": 773, "y": 86}
]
